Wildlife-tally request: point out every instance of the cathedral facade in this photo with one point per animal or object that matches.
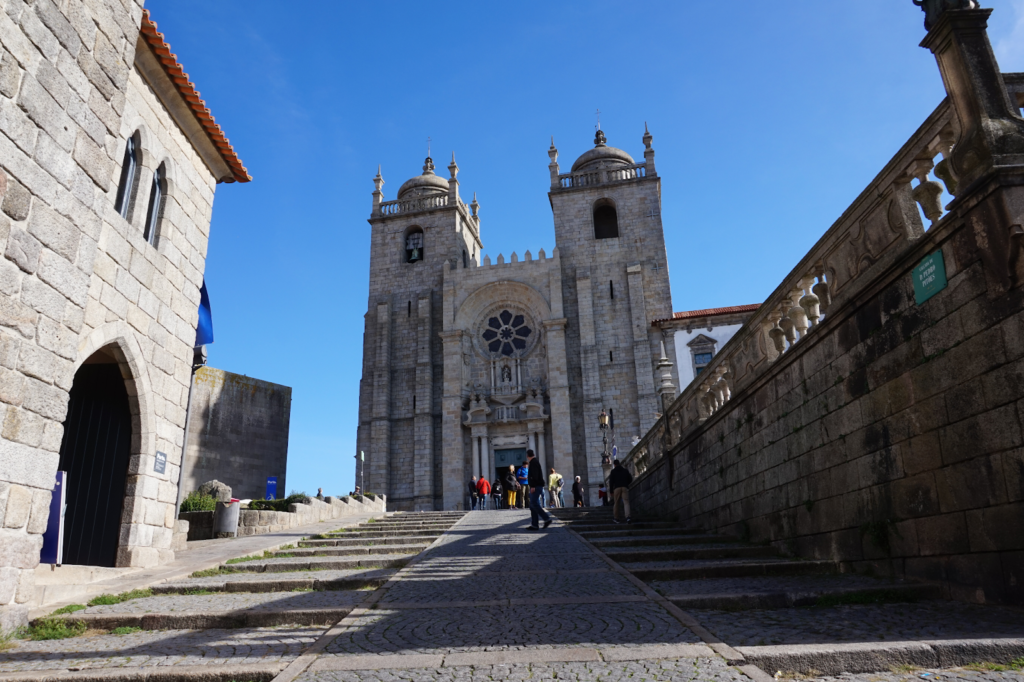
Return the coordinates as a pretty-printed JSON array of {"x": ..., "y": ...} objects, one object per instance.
[{"x": 468, "y": 363}]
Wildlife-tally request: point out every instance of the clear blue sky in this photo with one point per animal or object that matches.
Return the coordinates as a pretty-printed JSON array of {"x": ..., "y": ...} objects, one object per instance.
[{"x": 768, "y": 119}]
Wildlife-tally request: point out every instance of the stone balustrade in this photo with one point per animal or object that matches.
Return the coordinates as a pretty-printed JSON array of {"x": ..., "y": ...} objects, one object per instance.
[
  {"x": 600, "y": 177},
  {"x": 874, "y": 230},
  {"x": 427, "y": 203}
]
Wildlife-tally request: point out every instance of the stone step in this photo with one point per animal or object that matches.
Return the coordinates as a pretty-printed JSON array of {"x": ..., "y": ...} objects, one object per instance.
[
  {"x": 370, "y": 542},
  {"x": 697, "y": 569},
  {"x": 377, "y": 534},
  {"x": 356, "y": 551},
  {"x": 658, "y": 540},
  {"x": 224, "y": 610},
  {"x": 588, "y": 526},
  {"x": 629, "y": 531},
  {"x": 285, "y": 565},
  {"x": 736, "y": 594},
  {"x": 403, "y": 525},
  {"x": 719, "y": 551},
  {"x": 274, "y": 582},
  {"x": 867, "y": 638}
]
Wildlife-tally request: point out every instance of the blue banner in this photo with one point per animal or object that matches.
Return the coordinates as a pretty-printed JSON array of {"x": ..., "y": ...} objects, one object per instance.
[
  {"x": 53, "y": 539},
  {"x": 204, "y": 330},
  {"x": 271, "y": 487}
]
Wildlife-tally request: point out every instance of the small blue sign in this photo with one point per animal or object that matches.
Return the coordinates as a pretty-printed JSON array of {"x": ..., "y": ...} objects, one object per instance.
[{"x": 271, "y": 487}]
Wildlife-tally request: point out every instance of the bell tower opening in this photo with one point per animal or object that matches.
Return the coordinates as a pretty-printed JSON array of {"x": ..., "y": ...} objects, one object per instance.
[
  {"x": 95, "y": 452},
  {"x": 606, "y": 220},
  {"x": 414, "y": 245}
]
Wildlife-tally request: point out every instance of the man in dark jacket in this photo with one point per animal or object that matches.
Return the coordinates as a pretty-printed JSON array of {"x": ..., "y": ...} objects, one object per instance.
[
  {"x": 618, "y": 482},
  {"x": 535, "y": 478},
  {"x": 472, "y": 491}
]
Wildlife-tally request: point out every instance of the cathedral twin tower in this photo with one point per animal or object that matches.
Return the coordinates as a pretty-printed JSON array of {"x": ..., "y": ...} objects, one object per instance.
[{"x": 468, "y": 364}]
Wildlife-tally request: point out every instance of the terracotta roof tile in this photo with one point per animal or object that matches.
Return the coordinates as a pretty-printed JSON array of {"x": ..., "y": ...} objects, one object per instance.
[
  {"x": 710, "y": 312},
  {"x": 188, "y": 91}
]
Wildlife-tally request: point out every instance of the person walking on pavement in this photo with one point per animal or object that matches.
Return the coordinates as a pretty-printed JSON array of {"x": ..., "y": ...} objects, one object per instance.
[
  {"x": 619, "y": 481},
  {"x": 472, "y": 492},
  {"x": 522, "y": 476},
  {"x": 496, "y": 492},
  {"x": 483, "y": 489},
  {"x": 577, "y": 493},
  {"x": 535, "y": 477},
  {"x": 511, "y": 486},
  {"x": 554, "y": 486}
]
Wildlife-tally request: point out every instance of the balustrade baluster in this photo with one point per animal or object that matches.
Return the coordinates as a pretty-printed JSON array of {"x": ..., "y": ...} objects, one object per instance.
[
  {"x": 797, "y": 314},
  {"x": 928, "y": 193},
  {"x": 786, "y": 323},
  {"x": 810, "y": 302},
  {"x": 777, "y": 333}
]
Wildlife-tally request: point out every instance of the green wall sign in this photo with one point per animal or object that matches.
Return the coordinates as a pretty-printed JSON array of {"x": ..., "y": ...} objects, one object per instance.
[{"x": 929, "y": 277}]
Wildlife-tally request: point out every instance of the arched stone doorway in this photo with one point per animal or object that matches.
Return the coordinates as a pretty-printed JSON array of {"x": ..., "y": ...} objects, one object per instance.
[{"x": 95, "y": 453}]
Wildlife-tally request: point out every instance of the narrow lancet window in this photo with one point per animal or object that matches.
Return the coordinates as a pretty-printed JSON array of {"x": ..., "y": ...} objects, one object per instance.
[
  {"x": 156, "y": 205},
  {"x": 125, "y": 186}
]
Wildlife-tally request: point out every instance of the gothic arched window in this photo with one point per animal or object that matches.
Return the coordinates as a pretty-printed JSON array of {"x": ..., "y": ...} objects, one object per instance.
[
  {"x": 606, "y": 220},
  {"x": 129, "y": 169},
  {"x": 506, "y": 333},
  {"x": 156, "y": 204}
]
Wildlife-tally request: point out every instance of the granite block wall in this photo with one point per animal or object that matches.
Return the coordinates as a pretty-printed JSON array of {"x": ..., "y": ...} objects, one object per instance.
[
  {"x": 238, "y": 433},
  {"x": 892, "y": 439},
  {"x": 77, "y": 277}
]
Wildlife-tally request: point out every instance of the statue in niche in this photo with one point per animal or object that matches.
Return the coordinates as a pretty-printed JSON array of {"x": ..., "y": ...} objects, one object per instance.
[
  {"x": 933, "y": 9},
  {"x": 506, "y": 374}
]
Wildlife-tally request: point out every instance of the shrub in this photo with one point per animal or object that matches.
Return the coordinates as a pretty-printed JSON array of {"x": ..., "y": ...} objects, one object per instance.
[
  {"x": 53, "y": 628},
  {"x": 196, "y": 501},
  {"x": 109, "y": 599},
  {"x": 280, "y": 505}
]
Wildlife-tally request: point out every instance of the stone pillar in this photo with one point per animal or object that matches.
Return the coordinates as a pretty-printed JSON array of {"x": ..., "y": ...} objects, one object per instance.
[
  {"x": 648, "y": 399},
  {"x": 423, "y": 420},
  {"x": 453, "y": 456},
  {"x": 476, "y": 456},
  {"x": 991, "y": 131},
  {"x": 379, "y": 479},
  {"x": 539, "y": 435},
  {"x": 593, "y": 401}
]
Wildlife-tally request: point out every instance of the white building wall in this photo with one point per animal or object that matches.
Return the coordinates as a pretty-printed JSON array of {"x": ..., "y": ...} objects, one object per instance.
[{"x": 720, "y": 335}]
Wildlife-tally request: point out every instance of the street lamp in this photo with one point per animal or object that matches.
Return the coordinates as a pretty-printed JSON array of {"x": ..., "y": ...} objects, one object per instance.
[{"x": 602, "y": 419}]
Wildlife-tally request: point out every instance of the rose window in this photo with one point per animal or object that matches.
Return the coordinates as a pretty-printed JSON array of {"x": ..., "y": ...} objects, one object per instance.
[{"x": 506, "y": 333}]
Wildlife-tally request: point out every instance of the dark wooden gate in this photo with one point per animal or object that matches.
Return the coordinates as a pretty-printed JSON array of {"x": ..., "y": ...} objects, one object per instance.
[{"x": 95, "y": 453}]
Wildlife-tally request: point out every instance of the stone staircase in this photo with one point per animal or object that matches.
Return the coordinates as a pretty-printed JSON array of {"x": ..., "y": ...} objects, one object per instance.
[
  {"x": 801, "y": 617},
  {"x": 316, "y": 583}
]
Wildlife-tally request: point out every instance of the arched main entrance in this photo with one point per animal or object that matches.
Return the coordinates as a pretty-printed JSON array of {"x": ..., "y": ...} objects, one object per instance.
[{"x": 95, "y": 453}]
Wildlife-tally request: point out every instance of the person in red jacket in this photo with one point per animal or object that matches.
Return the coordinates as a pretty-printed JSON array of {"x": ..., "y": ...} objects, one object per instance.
[{"x": 483, "y": 489}]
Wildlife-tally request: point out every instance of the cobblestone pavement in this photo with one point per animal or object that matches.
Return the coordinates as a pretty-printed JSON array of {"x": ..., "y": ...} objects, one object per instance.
[
  {"x": 234, "y": 601},
  {"x": 509, "y": 586},
  {"x": 483, "y": 559},
  {"x": 926, "y": 620},
  {"x": 456, "y": 630},
  {"x": 767, "y": 584},
  {"x": 704, "y": 669},
  {"x": 162, "y": 648}
]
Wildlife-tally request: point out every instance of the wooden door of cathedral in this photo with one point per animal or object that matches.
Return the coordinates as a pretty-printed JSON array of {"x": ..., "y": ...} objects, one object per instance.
[{"x": 503, "y": 459}]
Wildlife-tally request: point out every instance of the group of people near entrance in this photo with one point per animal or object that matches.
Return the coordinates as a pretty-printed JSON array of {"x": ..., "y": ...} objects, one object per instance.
[{"x": 526, "y": 486}]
